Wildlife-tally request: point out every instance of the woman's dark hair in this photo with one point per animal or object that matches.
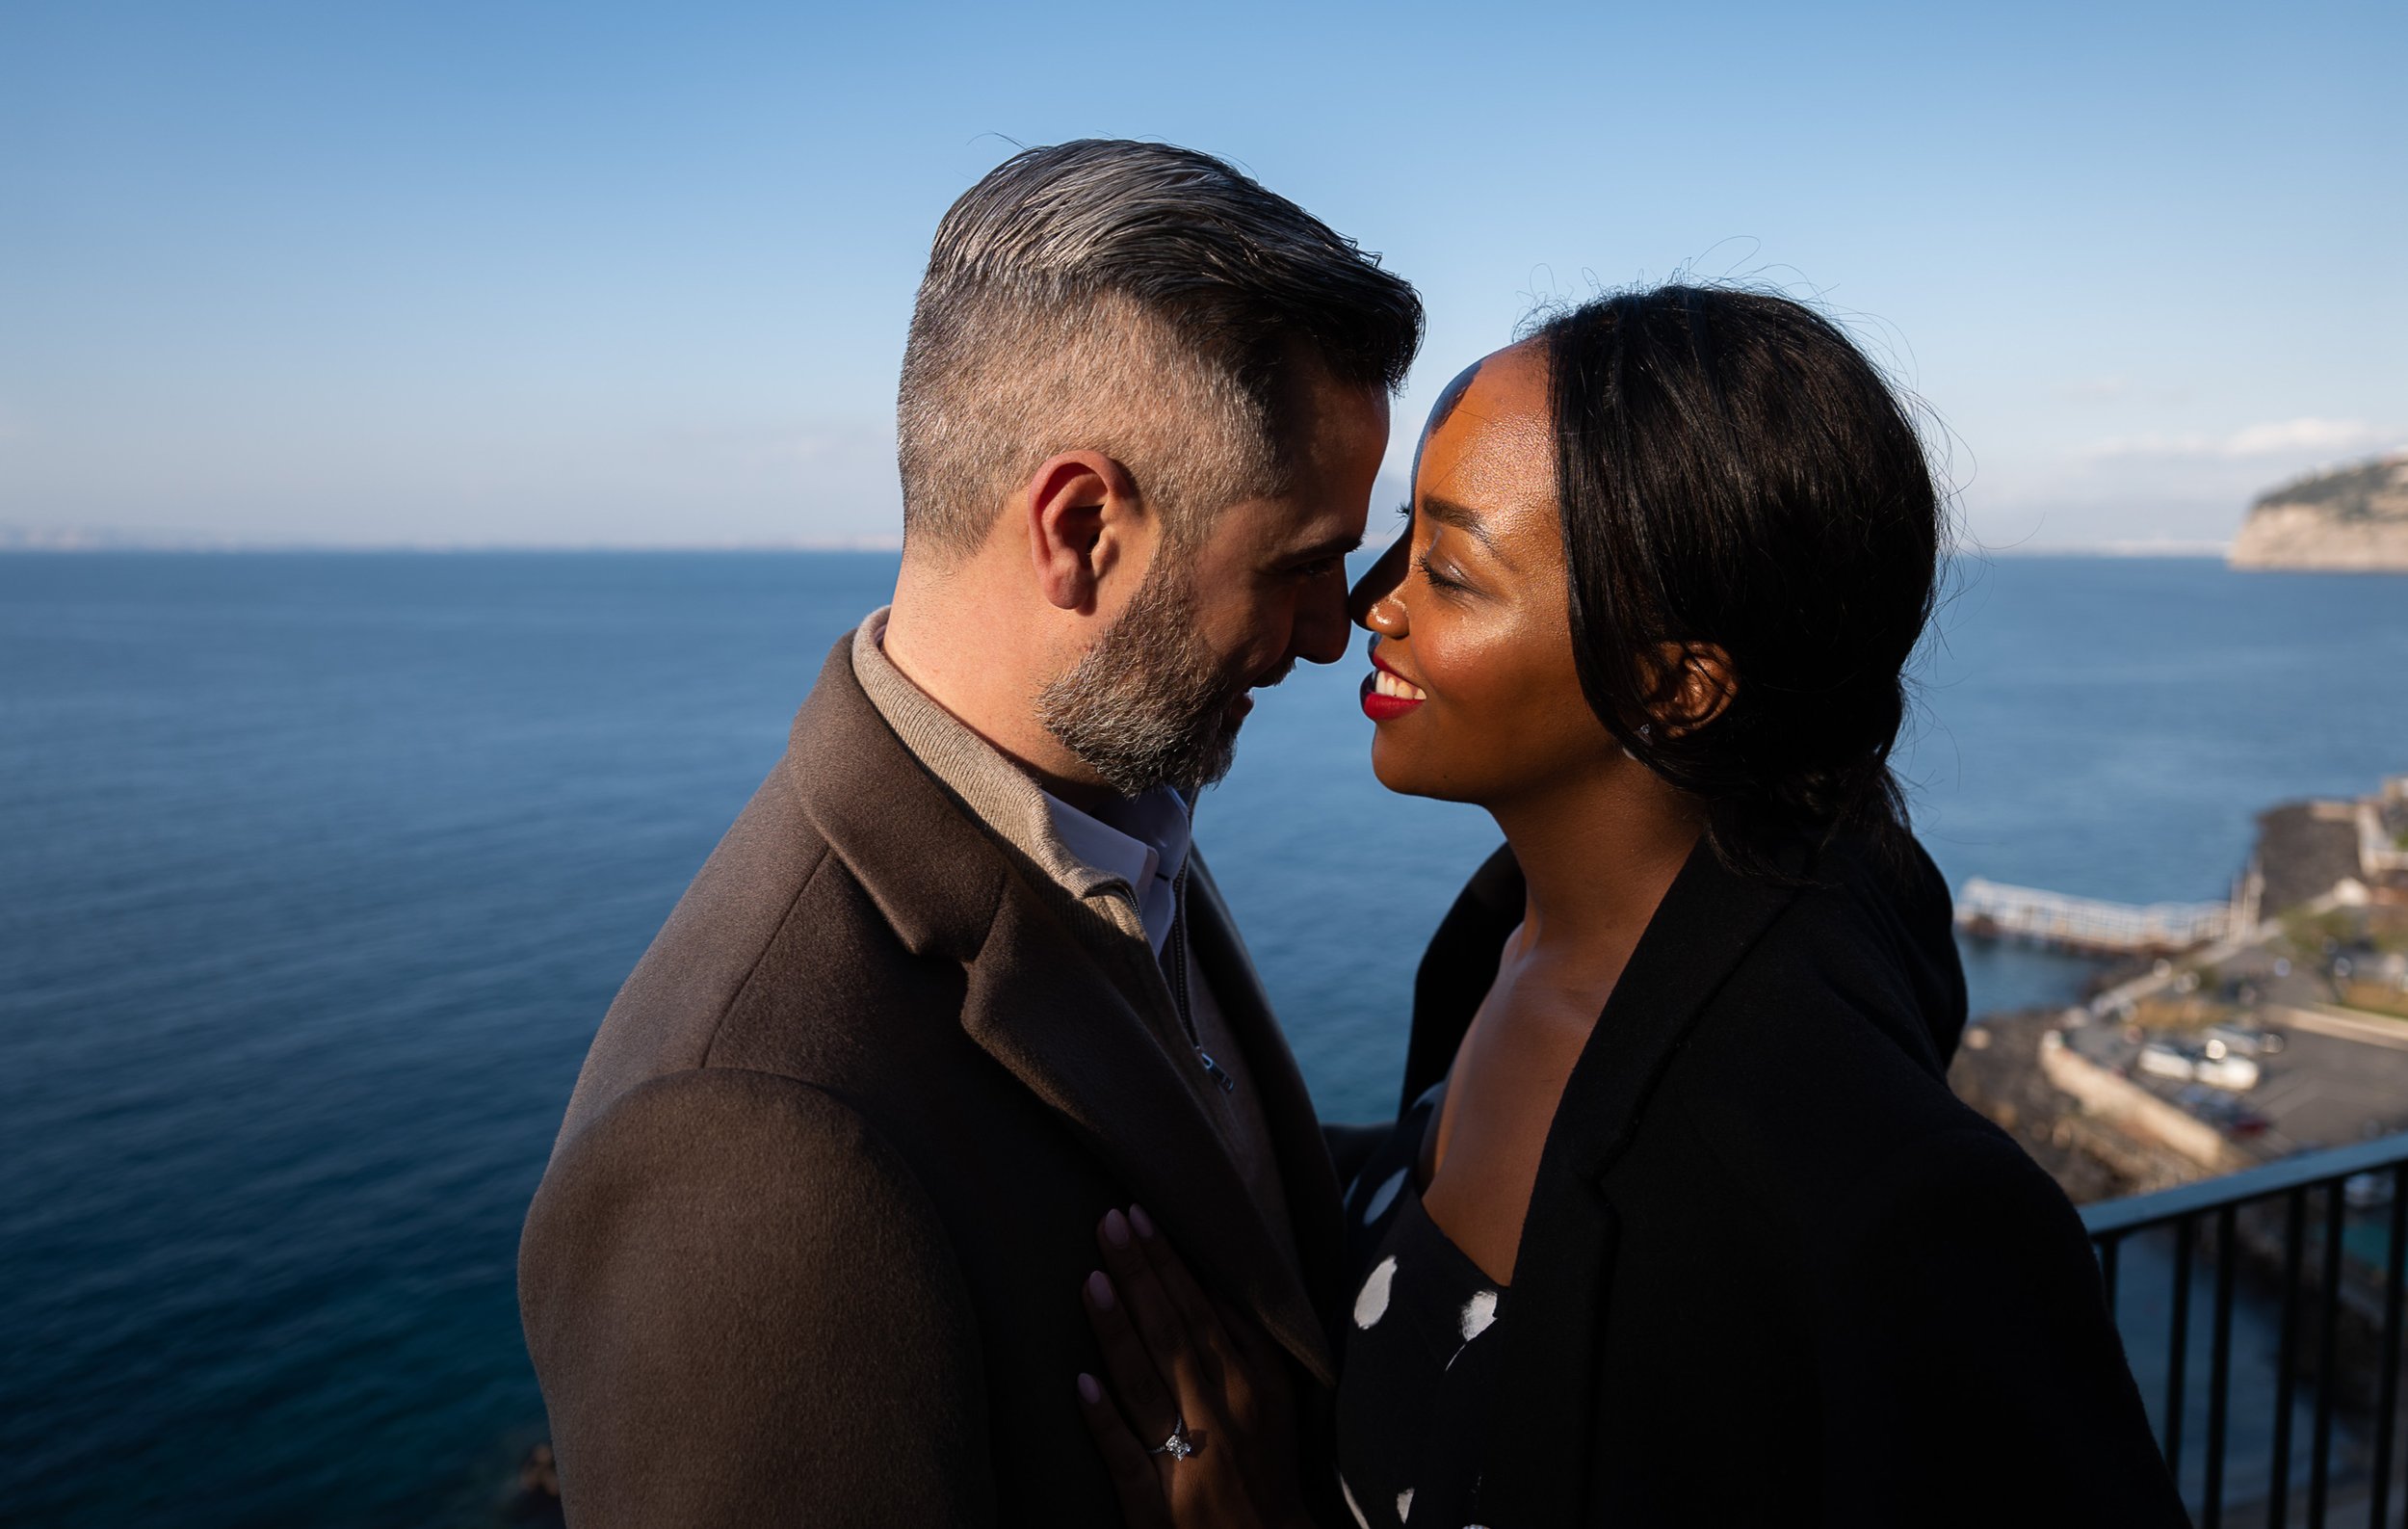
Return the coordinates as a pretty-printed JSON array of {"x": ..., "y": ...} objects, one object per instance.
[{"x": 1733, "y": 472}]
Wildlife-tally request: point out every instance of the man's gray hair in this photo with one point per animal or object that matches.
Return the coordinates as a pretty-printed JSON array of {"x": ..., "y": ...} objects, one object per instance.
[{"x": 1146, "y": 301}]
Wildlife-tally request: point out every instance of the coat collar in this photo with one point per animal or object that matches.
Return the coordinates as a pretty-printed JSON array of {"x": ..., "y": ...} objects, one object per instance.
[
  {"x": 1709, "y": 921},
  {"x": 1710, "y": 918},
  {"x": 1069, "y": 1005}
]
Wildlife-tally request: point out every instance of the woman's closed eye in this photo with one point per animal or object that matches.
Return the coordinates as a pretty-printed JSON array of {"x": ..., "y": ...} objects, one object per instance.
[{"x": 1442, "y": 580}]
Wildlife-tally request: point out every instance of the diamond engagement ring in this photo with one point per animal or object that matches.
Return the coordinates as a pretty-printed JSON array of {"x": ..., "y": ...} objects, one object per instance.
[{"x": 1178, "y": 1446}]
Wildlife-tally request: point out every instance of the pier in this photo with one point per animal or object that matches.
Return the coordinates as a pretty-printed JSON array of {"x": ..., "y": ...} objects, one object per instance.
[{"x": 1993, "y": 910}]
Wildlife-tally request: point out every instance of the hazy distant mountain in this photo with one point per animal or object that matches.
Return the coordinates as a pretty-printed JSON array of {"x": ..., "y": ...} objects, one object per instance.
[
  {"x": 107, "y": 538},
  {"x": 2352, "y": 520}
]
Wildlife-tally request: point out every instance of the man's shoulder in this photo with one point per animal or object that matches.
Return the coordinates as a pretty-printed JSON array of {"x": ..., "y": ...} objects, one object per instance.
[{"x": 775, "y": 943}]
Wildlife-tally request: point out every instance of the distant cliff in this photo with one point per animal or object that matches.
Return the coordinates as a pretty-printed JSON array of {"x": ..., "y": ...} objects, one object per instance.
[{"x": 2352, "y": 520}]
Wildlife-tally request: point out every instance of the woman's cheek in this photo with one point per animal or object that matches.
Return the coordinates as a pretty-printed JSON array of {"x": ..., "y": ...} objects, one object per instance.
[{"x": 1438, "y": 751}]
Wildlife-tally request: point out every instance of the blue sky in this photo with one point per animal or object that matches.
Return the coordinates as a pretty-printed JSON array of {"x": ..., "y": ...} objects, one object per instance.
[{"x": 612, "y": 275}]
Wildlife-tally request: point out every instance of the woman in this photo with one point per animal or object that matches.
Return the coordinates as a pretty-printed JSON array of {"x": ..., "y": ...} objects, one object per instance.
[{"x": 1681, "y": 1223}]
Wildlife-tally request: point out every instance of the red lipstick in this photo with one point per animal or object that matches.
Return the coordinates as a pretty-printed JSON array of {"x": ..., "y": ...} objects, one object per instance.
[{"x": 1385, "y": 709}]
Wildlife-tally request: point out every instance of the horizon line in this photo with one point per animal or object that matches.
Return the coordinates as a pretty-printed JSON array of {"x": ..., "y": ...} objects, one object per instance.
[
  {"x": 200, "y": 543},
  {"x": 69, "y": 544},
  {"x": 2120, "y": 547}
]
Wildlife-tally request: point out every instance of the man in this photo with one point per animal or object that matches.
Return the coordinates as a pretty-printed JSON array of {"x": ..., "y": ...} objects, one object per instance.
[{"x": 810, "y": 1246}]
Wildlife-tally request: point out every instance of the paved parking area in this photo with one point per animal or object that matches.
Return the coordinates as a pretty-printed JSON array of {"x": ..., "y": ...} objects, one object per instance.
[{"x": 2329, "y": 1091}]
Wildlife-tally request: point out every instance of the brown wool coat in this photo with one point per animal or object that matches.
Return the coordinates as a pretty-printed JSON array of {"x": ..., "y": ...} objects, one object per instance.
[{"x": 809, "y": 1246}]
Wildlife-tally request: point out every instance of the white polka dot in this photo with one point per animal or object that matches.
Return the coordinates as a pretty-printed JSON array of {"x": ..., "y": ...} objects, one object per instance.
[
  {"x": 1371, "y": 1302},
  {"x": 1404, "y": 1504},
  {"x": 1479, "y": 1313},
  {"x": 1352, "y": 1507},
  {"x": 1383, "y": 1197}
]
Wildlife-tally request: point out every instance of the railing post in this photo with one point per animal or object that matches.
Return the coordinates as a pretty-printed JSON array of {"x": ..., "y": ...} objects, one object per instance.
[
  {"x": 2320, "y": 1451},
  {"x": 2182, "y": 1211},
  {"x": 2178, "y": 1346},
  {"x": 2110, "y": 1251},
  {"x": 2278, "y": 1479},
  {"x": 2220, "y": 1365},
  {"x": 2387, "y": 1391}
]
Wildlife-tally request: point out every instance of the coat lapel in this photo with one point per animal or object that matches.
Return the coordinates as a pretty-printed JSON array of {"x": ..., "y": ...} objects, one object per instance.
[
  {"x": 1076, "y": 1012},
  {"x": 1311, "y": 1183},
  {"x": 1078, "y": 1025},
  {"x": 1547, "y": 1398},
  {"x": 1456, "y": 969}
]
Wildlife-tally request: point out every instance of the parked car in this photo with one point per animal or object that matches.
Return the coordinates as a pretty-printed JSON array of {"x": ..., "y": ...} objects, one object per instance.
[
  {"x": 2232, "y": 1073},
  {"x": 2223, "y": 1110},
  {"x": 2237, "y": 1074},
  {"x": 2166, "y": 1061},
  {"x": 2242, "y": 1041}
]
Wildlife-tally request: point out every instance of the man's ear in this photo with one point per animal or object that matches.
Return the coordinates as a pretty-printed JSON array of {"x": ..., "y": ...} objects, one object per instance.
[{"x": 1082, "y": 514}]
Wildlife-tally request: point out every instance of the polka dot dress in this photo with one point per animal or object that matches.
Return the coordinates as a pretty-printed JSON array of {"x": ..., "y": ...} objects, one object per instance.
[{"x": 1420, "y": 1359}]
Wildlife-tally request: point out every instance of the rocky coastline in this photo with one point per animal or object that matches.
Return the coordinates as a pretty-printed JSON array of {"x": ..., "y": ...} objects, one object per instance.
[{"x": 2352, "y": 520}]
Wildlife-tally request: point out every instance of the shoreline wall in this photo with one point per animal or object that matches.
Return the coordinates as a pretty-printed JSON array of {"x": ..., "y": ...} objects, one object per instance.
[{"x": 2109, "y": 1097}]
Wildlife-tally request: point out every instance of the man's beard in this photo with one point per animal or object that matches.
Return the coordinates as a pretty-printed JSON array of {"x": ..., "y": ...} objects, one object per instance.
[{"x": 1148, "y": 704}]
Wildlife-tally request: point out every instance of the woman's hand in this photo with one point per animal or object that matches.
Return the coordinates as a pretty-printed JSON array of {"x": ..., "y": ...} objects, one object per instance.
[{"x": 1179, "y": 1365}]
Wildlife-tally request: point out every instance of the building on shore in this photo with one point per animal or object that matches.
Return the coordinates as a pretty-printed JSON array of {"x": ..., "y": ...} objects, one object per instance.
[
  {"x": 2354, "y": 853},
  {"x": 2234, "y": 1032}
]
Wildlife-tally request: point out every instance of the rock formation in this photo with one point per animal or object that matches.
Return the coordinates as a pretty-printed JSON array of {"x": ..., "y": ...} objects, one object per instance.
[{"x": 2350, "y": 520}]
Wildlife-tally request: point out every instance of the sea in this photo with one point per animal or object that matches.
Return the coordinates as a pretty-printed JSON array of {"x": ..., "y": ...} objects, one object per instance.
[{"x": 317, "y": 872}]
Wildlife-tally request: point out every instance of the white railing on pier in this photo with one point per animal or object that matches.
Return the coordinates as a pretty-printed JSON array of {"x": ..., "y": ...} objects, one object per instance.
[{"x": 1991, "y": 908}]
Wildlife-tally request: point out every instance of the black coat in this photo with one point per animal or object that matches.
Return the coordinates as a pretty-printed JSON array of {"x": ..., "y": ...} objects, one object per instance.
[{"x": 1773, "y": 1271}]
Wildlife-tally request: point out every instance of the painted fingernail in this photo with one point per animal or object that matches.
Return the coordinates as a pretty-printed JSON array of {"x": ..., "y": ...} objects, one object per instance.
[
  {"x": 1144, "y": 1223},
  {"x": 1115, "y": 1229},
  {"x": 1100, "y": 1291},
  {"x": 1088, "y": 1391}
]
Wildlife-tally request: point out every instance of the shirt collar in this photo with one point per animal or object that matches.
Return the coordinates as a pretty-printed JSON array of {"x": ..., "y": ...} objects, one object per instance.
[
  {"x": 1144, "y": 843},
  {"x": 1141, "y": 840}
]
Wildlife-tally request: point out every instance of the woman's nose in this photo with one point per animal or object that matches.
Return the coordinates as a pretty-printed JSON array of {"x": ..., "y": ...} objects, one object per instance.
[{"x": 1368, "y": 603}]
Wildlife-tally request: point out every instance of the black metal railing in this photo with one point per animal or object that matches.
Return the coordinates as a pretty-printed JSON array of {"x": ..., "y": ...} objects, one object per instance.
[{"x": 2285, "y": 1311}]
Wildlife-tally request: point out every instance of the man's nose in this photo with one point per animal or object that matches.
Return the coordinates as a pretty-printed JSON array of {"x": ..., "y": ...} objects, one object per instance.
[
  {"x": 1381, "y": 581},
  {"x": 1320, "y": 632}
]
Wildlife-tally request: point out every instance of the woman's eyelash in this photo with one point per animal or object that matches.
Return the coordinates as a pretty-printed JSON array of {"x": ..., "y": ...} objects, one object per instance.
[
  {"x": 1404, "y": 511},
  {"x": 1434, "y": 576}
]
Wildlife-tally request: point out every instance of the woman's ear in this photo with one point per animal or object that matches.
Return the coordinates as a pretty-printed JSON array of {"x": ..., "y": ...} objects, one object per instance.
[
  {"x": 1699, "y": 686},
  {"x": 1082, "y": 514}
]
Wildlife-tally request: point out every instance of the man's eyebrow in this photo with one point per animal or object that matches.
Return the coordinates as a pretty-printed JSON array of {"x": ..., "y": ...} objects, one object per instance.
[{"x": 1337, "y": 546}]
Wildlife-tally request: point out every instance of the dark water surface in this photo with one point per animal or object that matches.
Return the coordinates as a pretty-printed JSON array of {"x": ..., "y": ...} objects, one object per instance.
[{"x": 316, "y": 873}]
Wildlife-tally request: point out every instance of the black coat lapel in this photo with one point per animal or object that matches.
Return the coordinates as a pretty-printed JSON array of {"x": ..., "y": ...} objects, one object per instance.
[
  {"x": 1545, "y": 1398},
  {"x": 1710, "y": 918},
  {"x": 1456, "y": 969}
]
